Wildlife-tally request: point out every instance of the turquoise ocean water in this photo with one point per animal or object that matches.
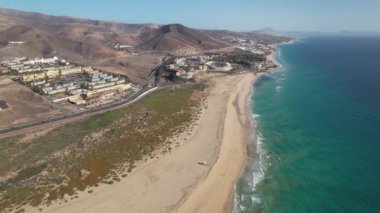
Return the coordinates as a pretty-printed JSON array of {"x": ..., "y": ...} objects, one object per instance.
[{"x": 318, "y": 124}]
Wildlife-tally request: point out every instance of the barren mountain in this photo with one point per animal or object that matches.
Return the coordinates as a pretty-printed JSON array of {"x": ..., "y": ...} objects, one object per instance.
[
  {"x": 90, "y": 42},
  {"x": 75, "y": 28},
  {"x": 178, "y": 37},
  {"x": 146, "y": 36},
  {"x": 41, "y": 43}
]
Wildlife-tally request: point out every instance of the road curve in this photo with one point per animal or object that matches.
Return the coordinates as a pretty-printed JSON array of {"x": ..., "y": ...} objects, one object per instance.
[{"x": 63, "y": 119}]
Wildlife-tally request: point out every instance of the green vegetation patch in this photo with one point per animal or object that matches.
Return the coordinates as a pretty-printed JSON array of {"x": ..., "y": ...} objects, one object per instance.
[
  {"x": 17, "y": 194},
  {"x": 94, "y": 150}
]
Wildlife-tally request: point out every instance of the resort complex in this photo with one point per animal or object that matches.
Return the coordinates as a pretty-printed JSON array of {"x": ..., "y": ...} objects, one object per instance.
[
  {"x": 60, "y": 80},
  {"x": 103, "y": 116},
  {"x": 189, "y": 106}
]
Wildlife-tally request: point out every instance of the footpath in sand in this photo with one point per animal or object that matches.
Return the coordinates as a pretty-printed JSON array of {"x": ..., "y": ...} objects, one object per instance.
[{"x": 175, "y": 181}]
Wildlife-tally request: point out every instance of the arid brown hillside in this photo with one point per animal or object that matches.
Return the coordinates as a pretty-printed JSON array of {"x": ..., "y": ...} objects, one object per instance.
[
  {"x": 91, "y": 42},
  {"x": 75, "y": 28},
  {"x": 41, "y": 43},
  {"x": 145, "y": 36},
  {"x": 178, "y": 37},
  {"x": 99, "y": 35}
]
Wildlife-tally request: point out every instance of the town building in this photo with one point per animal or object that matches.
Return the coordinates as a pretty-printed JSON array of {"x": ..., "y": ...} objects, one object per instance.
[{"x": 219, "y": 66}]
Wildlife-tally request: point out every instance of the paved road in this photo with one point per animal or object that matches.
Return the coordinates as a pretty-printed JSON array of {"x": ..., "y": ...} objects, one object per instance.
[
  {"x": 22, "y": 128},
  {"x": 63, "y": 119}
]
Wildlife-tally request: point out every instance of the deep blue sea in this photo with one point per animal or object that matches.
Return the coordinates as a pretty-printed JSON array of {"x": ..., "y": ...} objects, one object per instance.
[{"x": 318, "y": 120}]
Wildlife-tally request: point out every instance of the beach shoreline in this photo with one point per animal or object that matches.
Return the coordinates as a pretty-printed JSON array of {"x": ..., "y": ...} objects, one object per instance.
[
  {"x": 179, "y": 175},
  {"x": 272, "y": 56},
  {"x": 218, "y": 188}
]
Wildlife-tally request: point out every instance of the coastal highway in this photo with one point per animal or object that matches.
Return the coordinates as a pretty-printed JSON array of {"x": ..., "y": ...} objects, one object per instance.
[{"x": 63, "y": 119}]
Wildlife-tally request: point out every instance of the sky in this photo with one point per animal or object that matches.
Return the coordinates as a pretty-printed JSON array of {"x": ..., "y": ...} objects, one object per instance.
[{"x": 239, "y": 15}]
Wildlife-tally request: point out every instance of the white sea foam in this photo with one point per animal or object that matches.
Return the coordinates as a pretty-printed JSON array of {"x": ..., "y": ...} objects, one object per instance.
[
  {"x": 236, "y": 202},
  {"x": 255, "y": 199},
  {"x": 261, "y": 160},
  {"x": 256, "y": 171},
  {"x": 242, "y": 208},
  {"x": 259, "y": 176},
  {"x": 258, "y": 167},
  {"x": 255, "y": 116}
]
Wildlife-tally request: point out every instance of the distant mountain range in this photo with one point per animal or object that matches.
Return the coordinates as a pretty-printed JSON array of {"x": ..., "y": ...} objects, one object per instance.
[
  {"x": 46, "y": 34},
  {"x": 91, "y": 42},
  {"x": 271, "y": 31},
  {"x": 54, "y": 33}
]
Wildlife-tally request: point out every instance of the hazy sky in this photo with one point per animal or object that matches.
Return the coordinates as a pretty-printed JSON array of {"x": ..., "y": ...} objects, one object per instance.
[{"x": 306, "y": 15}]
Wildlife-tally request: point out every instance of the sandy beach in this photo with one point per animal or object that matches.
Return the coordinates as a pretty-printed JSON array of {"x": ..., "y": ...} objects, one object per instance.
[
  {"x": 216, "y": 191},
  {"x": 176, "y": 182}
]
